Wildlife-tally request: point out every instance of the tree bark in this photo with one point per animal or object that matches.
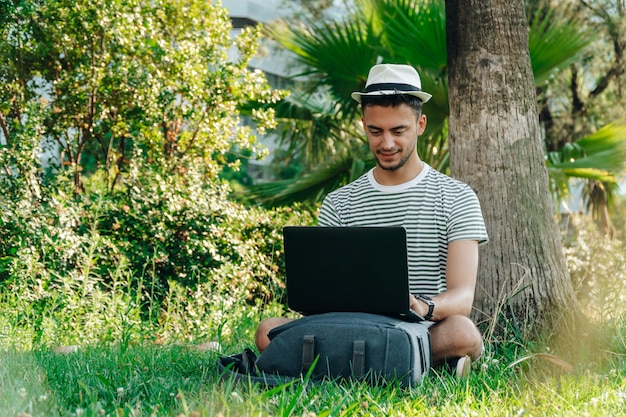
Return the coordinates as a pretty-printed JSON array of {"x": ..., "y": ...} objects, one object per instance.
[{"x": 495, "y": 146}]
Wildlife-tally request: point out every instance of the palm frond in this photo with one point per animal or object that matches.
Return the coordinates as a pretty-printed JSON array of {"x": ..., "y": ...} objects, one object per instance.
[
  {"x": 599, "y": 158},
  {"x": 555, "y": 42},
  {"x": 414, "y": 30},
  {"x": 582, "y": 173},
  {"x": 611, "y": 137},
  {"x": 312, "y": 186},
  {"x": 338, "y": 54},
  {"x": 602, "y": 154},
  {"x": 310, "y": 126}
]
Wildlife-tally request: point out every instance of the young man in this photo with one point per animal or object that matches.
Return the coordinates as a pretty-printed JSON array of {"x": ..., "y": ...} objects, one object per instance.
[{"x": 442, "y": 216}]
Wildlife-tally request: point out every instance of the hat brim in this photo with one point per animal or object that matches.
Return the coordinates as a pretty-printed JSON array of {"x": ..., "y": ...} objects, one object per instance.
[{"x": 422, "y": 95}]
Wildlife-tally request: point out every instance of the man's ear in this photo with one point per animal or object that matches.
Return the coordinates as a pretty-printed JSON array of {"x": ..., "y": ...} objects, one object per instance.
[{"x": 421, "y": 124}]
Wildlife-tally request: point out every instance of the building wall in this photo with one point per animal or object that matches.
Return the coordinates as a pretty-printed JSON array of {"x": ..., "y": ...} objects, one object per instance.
[
  {"x": 250, "y": 12},
  {"x": 255, "y": 10},
  {"x": 273, "y": 63}
]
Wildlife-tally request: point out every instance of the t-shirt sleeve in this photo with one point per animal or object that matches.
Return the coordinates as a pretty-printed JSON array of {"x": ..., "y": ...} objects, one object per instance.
[
  {"x": 466, "y": 218},
  {"x": 328, "y": 214}
]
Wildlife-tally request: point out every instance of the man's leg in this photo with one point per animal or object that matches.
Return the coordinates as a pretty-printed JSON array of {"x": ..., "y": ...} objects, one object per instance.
[
  {"x": 454, "y": 337},
  {"x": 261, "y": 338}
]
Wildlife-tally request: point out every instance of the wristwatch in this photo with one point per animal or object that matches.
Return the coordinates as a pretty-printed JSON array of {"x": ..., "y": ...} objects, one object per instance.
[{"x": 430, "y": 303}]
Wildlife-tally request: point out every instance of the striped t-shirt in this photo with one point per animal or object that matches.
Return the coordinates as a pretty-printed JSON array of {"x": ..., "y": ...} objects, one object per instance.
[{"x": 434, "y": 208}]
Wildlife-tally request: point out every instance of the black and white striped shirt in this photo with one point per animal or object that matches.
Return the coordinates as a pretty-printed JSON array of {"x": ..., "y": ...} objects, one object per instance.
[{"x": 434, "y": 208}]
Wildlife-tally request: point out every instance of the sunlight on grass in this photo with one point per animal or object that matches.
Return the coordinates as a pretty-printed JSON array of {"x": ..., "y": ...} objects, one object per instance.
[
  {"x": 150, "y": 380},
  {"x": 161, "y": 358},
  {"x": 23, "y": 387}
]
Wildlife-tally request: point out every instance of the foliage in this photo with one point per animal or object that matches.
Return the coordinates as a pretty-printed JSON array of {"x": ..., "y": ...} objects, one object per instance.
[
  {"x": 598, "y": 157},
  {"x": 546, "y": 37},
  {"x": 588, "y": 95},
  {"x": 335, "y": 57},
  {"x": 141, "y": 379},
  {"x": 135, "y": 107},
  {"x": 597, "y": 267},
  {"x": 123, "y": 258},
  {"x": 125, "y": 80}
]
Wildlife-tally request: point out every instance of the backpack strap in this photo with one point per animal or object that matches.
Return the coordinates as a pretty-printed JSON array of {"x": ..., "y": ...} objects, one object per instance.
[
  {"x": 248, "y": 360},
  {"x": 358, "y": 358},
  {"x": 308, "y": 351}
]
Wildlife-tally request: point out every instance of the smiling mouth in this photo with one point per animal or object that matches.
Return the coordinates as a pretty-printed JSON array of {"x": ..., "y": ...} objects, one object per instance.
[{"x": 388, "y": 154}]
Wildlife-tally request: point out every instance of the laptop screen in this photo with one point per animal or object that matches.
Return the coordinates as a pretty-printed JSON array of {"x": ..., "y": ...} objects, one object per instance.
[{"x": 333, "y": 269}]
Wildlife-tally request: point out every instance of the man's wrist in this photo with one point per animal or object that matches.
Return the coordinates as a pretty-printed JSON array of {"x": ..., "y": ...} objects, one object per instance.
[{"x": 430, "y": 303}]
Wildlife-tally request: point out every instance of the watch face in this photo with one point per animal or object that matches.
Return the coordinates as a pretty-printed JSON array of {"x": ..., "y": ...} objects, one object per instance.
[
  {"x": 427, "y": 300},
  {"x": 431, "y": 306}
]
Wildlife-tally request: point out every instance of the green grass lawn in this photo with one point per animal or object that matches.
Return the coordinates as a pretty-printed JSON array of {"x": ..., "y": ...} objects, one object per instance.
[{"x": 156, "y": 380}]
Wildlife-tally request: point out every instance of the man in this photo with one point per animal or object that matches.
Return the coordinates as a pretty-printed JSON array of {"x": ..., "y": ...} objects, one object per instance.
[{"x": 441, "y": 215}]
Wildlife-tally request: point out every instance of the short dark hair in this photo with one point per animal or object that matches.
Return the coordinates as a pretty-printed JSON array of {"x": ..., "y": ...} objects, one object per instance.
[{"x": 392, "y": 100}]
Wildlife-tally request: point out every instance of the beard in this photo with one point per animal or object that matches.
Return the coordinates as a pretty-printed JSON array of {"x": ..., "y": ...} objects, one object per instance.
[{"x": 396, "y": 166}]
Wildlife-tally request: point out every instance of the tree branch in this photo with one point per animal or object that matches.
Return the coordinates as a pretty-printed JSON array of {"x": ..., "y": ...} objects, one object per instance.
[
  {"x": 612, "y": 74},
  {"x": 195, "y": 133},
  {"x": 577, "y": 103},
  {"x": 616, "y": 69},
  {"x": 5, "y": 129}
]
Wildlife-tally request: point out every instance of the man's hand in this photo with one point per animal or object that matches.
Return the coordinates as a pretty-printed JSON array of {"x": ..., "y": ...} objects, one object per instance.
[{"x": 418, "y": 306}]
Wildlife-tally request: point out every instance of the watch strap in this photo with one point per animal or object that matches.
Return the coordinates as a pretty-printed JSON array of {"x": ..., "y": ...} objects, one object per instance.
[{"x": 430, "y": 303}]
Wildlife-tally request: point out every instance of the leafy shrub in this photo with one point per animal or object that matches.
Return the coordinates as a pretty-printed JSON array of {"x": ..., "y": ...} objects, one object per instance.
[
  {"x": 597, "y": 267},
  {"x": 142, "y": 100},
  {"x": 186, "y": 234},
  {"x": 51, "y": 286},
  {"x": 160, "y": 253}
]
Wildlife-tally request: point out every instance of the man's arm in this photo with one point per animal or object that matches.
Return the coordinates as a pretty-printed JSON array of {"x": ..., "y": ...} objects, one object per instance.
[{"x": 461, "y": 271}]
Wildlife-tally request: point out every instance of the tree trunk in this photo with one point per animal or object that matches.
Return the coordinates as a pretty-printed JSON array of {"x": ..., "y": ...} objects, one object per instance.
[{"x": 495, "y": 146}]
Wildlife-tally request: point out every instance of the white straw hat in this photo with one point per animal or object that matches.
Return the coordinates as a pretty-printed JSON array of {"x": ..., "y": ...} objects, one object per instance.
[{"x": 387, "y": 79}]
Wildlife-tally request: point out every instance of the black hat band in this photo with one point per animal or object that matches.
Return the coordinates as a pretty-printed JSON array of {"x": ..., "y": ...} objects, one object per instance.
[{"x": 391, "y": 86}]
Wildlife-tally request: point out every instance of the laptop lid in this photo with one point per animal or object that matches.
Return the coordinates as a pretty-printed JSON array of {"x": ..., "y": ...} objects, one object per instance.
[{"x": 332, "y": 269}]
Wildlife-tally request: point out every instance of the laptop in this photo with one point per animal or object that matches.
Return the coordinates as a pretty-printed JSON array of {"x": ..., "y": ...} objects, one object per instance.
[{"x": 341, "y": 269}]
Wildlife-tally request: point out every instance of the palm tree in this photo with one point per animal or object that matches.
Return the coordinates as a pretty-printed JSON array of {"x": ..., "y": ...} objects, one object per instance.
[
  {"x": 320, "y": 121},
  {"x": 337, "y": 56},
  {"x": 596, "y": 158}
]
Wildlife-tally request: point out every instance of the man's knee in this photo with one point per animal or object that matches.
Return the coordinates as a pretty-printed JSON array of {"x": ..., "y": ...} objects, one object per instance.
[
  {"x": 261, "y": 338},
  {"x": 456, "y": 336},
  {"x": 467, "y": 335}
]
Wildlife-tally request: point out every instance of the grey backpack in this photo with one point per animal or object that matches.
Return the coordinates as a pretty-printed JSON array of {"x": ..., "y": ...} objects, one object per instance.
[{"x": 339, "y": 346}]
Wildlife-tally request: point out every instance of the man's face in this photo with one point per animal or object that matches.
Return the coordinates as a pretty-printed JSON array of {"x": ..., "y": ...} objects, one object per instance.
[{"x": 392, "y": 134}]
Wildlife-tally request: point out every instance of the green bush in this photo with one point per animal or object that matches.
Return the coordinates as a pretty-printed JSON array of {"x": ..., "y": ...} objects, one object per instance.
[
  {"x": 153, "y": 255},
  {"x": 129, "y": 219}
]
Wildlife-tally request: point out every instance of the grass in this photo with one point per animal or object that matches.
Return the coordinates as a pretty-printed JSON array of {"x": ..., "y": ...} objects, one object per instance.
[
  {"x": 179, "y": 380},
  {"x": 129, "y": 366}
]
